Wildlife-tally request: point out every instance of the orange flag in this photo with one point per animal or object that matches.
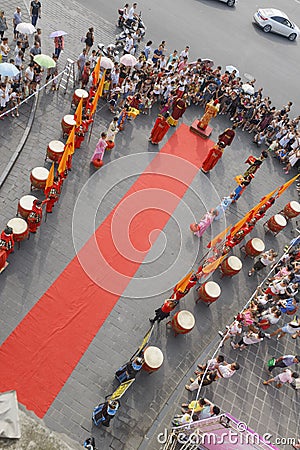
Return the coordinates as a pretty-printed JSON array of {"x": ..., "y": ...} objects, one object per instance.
[
  {"x": 262, "y": 202},
  {"x": 96, "y": 72},
  {"x": 240, "y": 223},
  {"x": 286, "y": 185},
  {"x": 50, "y": 179},
  {"x": 78, "y": 113},
  {"x": 213, "y": 266},
  {"x": 70, "y": 144},
  {"x": 218, "y": 238},
  {"x": 98, "y": 94},
  {"x": 182, "y": 284}
]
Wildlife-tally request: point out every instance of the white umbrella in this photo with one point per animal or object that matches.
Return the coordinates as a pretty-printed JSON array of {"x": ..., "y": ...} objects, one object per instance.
[
  {"x": 128, "y": 60},
  {"x": 106, "y": 63},
  {"x": 248, "y": 89},
  {"x": 8, "y": 70},
  {"x": 57, "y": 34},
  {"x": 230, "y": 69},
  {"x": 25, "y": 28}
]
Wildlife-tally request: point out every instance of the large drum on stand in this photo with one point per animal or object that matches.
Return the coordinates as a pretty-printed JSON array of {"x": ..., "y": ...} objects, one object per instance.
[
  {"x": 209, "y": 292},
  {"x": 183, "y": 322},
  {"x": 55, "y": 150},
  {"x": 153, "y": 359},
  {"x": 20, "y": 229},
  {"x": 25, "y": 205},
  {"x": 38, "y": 178},
  {"x": 254, "y": 247},
  {"x": 276, "y": 223},
  {"x": 67, "y": 124},
  {"x": 231, "y": 266},
  {"x": 291, "y": 210},
  {"x": 78, "y": 95}
]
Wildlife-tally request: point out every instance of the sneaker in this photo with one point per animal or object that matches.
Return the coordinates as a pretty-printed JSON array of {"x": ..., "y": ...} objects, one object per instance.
[
  {"x": 232, "y": 345},
  {"x": 268, "y": 335},
  {"x": 221, "y": 334},
  {"x": 192, "y": 380},
  {"x": 17, "y": 114},
  {"x": 250, "y": 273}
]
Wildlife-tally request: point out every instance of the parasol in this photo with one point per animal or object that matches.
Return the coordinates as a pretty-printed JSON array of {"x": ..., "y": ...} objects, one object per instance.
[
  {"x": 248, "y": 89},
  {"x": 57, "y": 34},
  {"x": 25, "y": 28},
  {"x": 230, "y": 69},
  {"x": 8, "y": 70},
  {"x": 106, "y": 63},
  {"x": 44, "y": 61},
  {"x": 128, "y": 60}
]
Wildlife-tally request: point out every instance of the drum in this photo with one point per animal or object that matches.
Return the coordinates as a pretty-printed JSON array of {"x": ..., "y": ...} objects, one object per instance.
[
  {"x": 153, "y": 359},
  {"x": 291, "y": 210},
  {"x": 231, "y": 266},
  {"x": 68, "y": 123},
  {"x": 55, "y": 150},
  {"x": 38, "y": 177},
  {"x": 183, "y": 322},
  {"x": 78, "y": 95},
  {"x": 209, "y": 292},
  {"x": 20, "y": 228},
  {"x": 276, "y": 223},
  {"x": 25, "y": 205},
  {"x": 254, "y": 247}
]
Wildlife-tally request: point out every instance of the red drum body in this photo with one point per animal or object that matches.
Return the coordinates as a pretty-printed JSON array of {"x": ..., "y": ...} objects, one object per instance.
[
  {"x": 231, "y": 266},
  {"x": 291, "y": 210},
  {"x": 55, "y": 150},
  {"x": 68, "y": 123},
  {"x": 19, "y": 227},
  {"x": 25, "y": 205},
  {"x": 254, "y": 247},
  {"x": 38, "y": 177},
  {"x": 183, "y": 322},
  {"x": 276, "y": 223},
  {"x": 78, "y": 95},
  {"x": 153, "y": 359},
  {"x": 209, "y": 292}
]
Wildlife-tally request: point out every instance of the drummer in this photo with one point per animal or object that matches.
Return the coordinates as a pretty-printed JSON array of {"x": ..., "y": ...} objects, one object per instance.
[
  {"x": 52, "y": 195},
  {"x": 178, "y": 293},
  {"x": 129, "y": 370},
  {"x": 164, "y": 311},
  {"x": 7, "y": 240},
  {"x": 34, "y": 218}
]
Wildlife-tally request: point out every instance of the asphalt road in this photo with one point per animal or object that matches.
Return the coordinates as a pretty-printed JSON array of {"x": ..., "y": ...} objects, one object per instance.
[{"x": 226, "y": 35}]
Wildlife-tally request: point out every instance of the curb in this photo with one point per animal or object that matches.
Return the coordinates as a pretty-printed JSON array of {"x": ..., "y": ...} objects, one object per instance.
[{"x": 23, "y": 140}]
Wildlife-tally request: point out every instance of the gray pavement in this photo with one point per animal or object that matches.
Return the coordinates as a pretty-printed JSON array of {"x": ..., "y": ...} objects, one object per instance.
[{"x": 41, "y": 260}]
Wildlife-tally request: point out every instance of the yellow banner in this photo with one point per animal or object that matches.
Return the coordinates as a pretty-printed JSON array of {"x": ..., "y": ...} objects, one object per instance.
[{"x": 120, "y": 391}]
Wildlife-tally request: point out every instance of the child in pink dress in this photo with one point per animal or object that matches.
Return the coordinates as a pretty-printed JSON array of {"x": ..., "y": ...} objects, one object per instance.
[{"x": 100, "y": 148}]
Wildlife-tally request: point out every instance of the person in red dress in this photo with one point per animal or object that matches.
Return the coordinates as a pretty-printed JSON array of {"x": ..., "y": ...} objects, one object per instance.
[
  {"x": 227, "y": 136},
  {"x": 7, "y": 240},
  {"x": 34, "y": 218},
  {"x": 164, "y": 311},
  {"x": 213, "y": 157},
  {"x": 52, "y": 195},
  {"x": 159, "y": 130},
  {"x": 179, "y": 107}
]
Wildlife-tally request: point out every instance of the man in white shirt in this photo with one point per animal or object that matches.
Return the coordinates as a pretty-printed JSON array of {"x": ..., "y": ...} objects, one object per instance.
[
  {"x": 287, "y": 376},
  {"x": 226, "y": 370},
  {"x": 128, "y": 44},
  {"x": 132, "y": 16},
  {"x": 184, "y": 53}
]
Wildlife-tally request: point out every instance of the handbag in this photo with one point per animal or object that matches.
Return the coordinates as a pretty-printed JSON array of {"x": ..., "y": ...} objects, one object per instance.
[{"x": 271, "y": 362}]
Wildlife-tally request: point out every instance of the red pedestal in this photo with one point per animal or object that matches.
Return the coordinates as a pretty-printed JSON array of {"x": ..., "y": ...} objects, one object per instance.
[{"x": 202, "y": 133}]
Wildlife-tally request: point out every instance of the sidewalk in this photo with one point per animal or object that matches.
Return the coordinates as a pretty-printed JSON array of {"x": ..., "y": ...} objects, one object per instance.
[{"x": 41, "y": 259}]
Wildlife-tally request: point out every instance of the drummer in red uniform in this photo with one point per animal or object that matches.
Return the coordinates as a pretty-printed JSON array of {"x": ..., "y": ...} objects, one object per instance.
[
  {"x": 178, "y": 294},
  {"x": 164, "y": 311},
  {"x": 34, "y": 218},
  {"x": 52, "y": 195},
  {"x": 7, "y": 240}
]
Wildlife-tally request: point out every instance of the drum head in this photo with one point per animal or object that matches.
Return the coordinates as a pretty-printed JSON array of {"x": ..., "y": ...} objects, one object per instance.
[
  {"x": 153, "y": 357},
  {"x": 81, "y": 93},
  {"x": 18, "y": 225},
  {"x": 69, "y": 120},
  {"x": 280, "y": 220},
  {"x": 212, "y": 289},
  {"x": 258, "y": 244},
  {"x": 26, "y": 202},
  {"x": 186, "y": 320},
  {"x": 56, "y": 146},
  {"x": 40, "y": 173},
  {"x": 295, "y": 206},
  {"x": 235, "y": 263}
]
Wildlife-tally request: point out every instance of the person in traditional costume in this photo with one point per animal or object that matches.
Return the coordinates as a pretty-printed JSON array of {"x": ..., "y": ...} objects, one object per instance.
[
  {"x": 213, "y": 157},
  {"x": 255, "y": 164},
  {"x": 34, "y": 218},
  {"x": 112, "y": 130},
  {"x": 227, "y": 136},
  {"x": 97, "y": 158},
  {"x": 211, "y": 110},
  {"x": 52, "y": 195},
  {"x": 7, "y": 240},
  {"x": 225, "y": 203},
  {"x": 104, "y": 412},
  {"x": 199, "y": 228},
  {"x": 178, "y": 109},
  {"x": 178, "y": 294},
  {"x": 243, "y": 182},
  {"x": 164, "y": 311},
  {"x": 159, "y": 130},
  {"x": 129, "y": 370}
]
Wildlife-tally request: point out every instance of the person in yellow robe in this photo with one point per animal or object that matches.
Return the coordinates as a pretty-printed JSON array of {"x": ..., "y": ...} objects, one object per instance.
[{"x": 211, "y": 110}]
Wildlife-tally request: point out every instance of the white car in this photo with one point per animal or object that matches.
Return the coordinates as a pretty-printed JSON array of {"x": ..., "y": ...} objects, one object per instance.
[
  {"x": 274, "y": 20},
  {"x": 229, "y": 2}
]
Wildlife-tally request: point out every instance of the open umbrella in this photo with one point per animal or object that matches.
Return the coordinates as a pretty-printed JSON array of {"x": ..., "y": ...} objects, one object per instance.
[
  {"x": 44, "y": 61},
  {"x": 248, "y": 89},
  {"x": 8, "y": 70},
  {"x": 230, "y": 69},
  {"x": 128, "y": 60},
  {"x": 57, "y": 34},
  {"x": 106, "y": 63},
  {"x": 25, "y": 28}
]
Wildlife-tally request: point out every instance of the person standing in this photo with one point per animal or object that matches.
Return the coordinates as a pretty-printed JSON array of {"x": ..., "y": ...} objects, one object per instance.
[
  {"x": 7, "y": 240},
  {"x": 97, "y": 158},
  {"x": 159, "y": 130},
  {"x": 35, "y": 11},
  {"x": 52, "y": 195},
  {"x": 248, "y": 339},
  {"x": 213, "y": 157},
  {"x": 4, "y": 49},
  {"x": 227, "y": 136},
  {"x": 59, "y": 45},
  {"x": 129, "y": 370},
  {"x": 82, "y": 58},
  {"x": 34, "y": 218},
  {"x": 89, "y": 40},
  {"x": 112, "y": 130},
  {"x": 164, "y": 311},
  {"x": 3, "y": 24},
  {"x": 17, "y": 18},
  {"x": 284, "y": 362},
  {"x": 266, "y": 259},
  {"x": 211, "y": 110},
  {"x": 199, "y": 228},
  {"x": 178, "y": 109},
  {"x": 287, "y": 376}
]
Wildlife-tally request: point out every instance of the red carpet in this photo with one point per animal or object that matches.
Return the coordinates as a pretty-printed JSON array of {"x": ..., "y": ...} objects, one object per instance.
[{"x": 41, "y": 353}]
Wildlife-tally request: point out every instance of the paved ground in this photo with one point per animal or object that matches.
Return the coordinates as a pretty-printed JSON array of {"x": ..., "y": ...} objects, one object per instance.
[{"x": 41, "y": 260}]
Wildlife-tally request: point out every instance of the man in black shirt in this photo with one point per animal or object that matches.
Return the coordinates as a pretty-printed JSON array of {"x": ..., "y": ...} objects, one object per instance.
[{"x": 35, "y": 11}]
